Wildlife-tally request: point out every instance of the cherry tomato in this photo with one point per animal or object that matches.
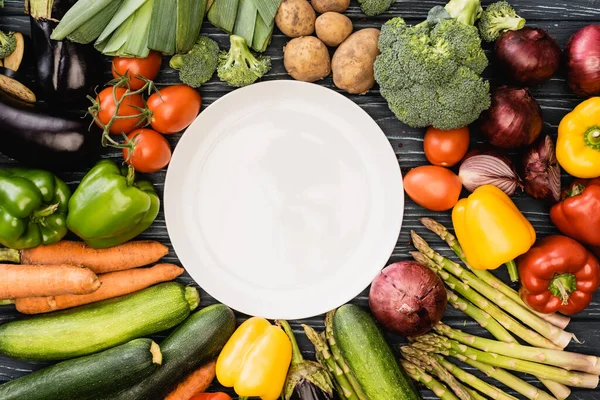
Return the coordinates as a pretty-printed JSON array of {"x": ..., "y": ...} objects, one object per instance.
[
  {"x": 108, "y": 106},
  {"x": 147, "y": 67},
  {"x": 432, "y": 187},
  {"x": 211, "y": 396},
  {"x": 446, "y": 148},
  {"x": 175, "y": 108},
  {"x": 151, "y": 152}
]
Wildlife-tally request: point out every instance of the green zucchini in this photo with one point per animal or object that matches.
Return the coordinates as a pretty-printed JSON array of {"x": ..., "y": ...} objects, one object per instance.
[
  {"x": 86, "y": 377},
  {"x": 370, "y": 358},
  {"x": 95, "y": 327},
  {"x": 198, "y": 340}
]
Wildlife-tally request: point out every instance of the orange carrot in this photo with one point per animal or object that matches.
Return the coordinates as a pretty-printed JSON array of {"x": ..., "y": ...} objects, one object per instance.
[
  {"x": 114, "y": 284},
  {"x": 196, "y": 382},
  {"x": 125, "y": 256},
  {"x": 45, "y": 280}
]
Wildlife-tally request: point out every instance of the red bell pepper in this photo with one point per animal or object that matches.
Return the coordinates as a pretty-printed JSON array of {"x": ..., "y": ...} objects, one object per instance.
[
  {"x": 211, "y": 396},
  {"x": 578, "y": 214},
  {"x": 558, "y": 274}
]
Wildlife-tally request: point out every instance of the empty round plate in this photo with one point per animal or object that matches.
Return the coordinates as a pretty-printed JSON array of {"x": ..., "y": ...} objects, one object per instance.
[{"x": 284, "y": 200}]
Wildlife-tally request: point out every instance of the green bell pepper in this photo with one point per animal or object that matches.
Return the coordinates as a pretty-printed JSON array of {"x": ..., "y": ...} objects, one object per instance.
[
  {"x": 33, "y": 208},
  {"x": 110, "y": 207}
]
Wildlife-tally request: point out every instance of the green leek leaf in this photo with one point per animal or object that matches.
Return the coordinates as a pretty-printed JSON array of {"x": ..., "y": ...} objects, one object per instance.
[
  {"x": 222, "y": 14},
  {"x": 86, "y": 20},
  {"x": 262, "y": 34},
  {"x": 246, "y": 20},
  {"x": 137, "y": 44},
  {"x": 190, "y": 14},
  {"x": 127, "y": 9},
  {"x": 163, "y": 25},
  {"x": 267, "y": 9}
]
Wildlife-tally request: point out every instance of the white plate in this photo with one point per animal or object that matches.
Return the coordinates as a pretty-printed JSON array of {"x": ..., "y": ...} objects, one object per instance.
[{"x": 284, "y": 200}]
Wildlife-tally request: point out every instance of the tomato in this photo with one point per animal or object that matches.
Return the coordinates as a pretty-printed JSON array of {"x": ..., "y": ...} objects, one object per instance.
[
  {"x": 147, "y": 67},
  {"x": 432, "y": 187},
  {"x": 151, "y": 152},
  {"x": 106, "y": 100},
  {"x": 446, "y": 148},
  {"x": 211, "y": 396},
  {"x": 175, "y": 108}
]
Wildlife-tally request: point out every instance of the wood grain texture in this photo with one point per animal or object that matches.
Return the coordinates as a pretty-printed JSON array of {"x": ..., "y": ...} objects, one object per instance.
[{"x": 561, "y": 18}]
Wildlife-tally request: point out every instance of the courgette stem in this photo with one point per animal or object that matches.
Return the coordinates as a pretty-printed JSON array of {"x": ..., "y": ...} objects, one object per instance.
[
  {"x": 156, "y": 353},
  {"x": 10, "y": 255},
  {"x": 39, "y": 9},
  {"x": 192, "y": 296},
  {"x": 296, "y": 353}
]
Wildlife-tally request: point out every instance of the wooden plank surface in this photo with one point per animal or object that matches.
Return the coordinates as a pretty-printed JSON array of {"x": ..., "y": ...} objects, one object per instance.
[{"x": 561, "y": 18}]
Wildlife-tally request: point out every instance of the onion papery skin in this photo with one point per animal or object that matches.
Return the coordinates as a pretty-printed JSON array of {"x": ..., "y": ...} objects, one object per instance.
[
  {"x": 582, "y": 58},
  {"x": 541, "y": 171}
]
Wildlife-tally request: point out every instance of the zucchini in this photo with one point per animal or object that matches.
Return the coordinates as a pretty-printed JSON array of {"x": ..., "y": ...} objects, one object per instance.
[
  {"x": 85, "y": 377},
  {"x": 95, "y": 327},
  {"x": 370, "y": 358},
  {"x": 198, "y": 340}
]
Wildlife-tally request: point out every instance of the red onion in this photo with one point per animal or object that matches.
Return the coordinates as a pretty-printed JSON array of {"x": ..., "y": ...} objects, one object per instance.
[
  {"x": 408, "y": 298},
  {"x": 529, "y": 56},
  {"x": 583, "y": 61},
  {"x": 541, "y": 170},
  {"x": 513, "y": 120},
  {"x": 489, "y": 168}
]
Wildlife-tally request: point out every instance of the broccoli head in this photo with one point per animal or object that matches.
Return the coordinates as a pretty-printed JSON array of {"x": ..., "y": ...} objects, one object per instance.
[
  {"x": 8, "y": 44},
  {"x": 465, "y": 42},
  {"x": 197, "y": 66},
  {"x": 372, "y": 8},
  {"x": 239, "y": 67},
  {"x": 498, "y": 18},
  {"x": 465, "y": 11}
]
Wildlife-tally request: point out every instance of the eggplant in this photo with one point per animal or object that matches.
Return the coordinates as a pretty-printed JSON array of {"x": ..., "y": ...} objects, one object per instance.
[
  {"x": 67, "y": 71},
  {"x": 306, "y": 390},
  {"x": 42, "y": 140}
]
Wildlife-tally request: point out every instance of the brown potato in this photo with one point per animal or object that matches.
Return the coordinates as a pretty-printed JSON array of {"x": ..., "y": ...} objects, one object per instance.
[
  {"x": 352, "y": 63},
  {"x": 333, "y": 28},
  {"x": 306, "y": 59},
  {"x": 323, "y": 6},
  {"x": 295, "y": 18}
]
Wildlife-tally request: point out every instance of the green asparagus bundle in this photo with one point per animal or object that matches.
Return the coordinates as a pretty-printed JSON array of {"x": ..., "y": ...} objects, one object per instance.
[{"x": 417, "y": 374}]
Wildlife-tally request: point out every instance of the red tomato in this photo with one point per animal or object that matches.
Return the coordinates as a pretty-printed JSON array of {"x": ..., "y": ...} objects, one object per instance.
[
  {"x": 432, "y": 187},
  {"x": 174, "y": 109},
  {"x": 147, "y": 67},
  {"x": 106, "y": 100},
  {"x": 211, "y": 396},
  {"x": 151, "y": 152},
  {"x": 446, "y": 148}
]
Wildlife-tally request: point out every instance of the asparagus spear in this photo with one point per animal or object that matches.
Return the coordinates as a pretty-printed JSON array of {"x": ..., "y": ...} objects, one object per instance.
[
  {"x": 321, "y": 360},
  {"x": 472, "y": 380},
  {"x": 558, "y": 336},
  {"x": 432, "y": 384},
  {"x": 432, "y": 367},
  {"x": 558, "y": 358},
  {"x": 329, "y": 362},
  {"x": 497, "y": 313},
  {"x": 558, "y": 320},
  {"x": 483, "y": 318},
  {"x": 558, "y": 390},
  {"x": 475, "y": 395},
  {"x": 339, "y": 359},
  {"x": 569, "y": 378}
]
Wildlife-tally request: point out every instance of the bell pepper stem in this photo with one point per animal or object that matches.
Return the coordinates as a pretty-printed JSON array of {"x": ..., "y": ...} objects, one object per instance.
[
  {"x": 562, "y": 286},
  {"x": 130, "y": 175},
  {"x": 513, "y": 272},
  {"x": 10, "y": 255},
  {"x": 243, "y": 398},
  {"x": 576, "y": 190},
  {"x": 5, "y": 302},
  {"x": 592, "y": 137},
  {"x": 296, "y": 353},
  {"x": 44, "y": 212}
]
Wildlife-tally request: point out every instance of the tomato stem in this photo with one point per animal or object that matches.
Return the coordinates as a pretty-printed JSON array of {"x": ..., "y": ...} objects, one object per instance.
[{"x": 562, "y": 285}]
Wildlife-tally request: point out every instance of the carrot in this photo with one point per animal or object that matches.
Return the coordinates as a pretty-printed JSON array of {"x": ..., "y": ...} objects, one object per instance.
[
  {"x": 196, "y": 382},
  {"x": 45, "y": 280},
  {"x": 125, "y": 256},
  {"x": 114, "y": 284}
]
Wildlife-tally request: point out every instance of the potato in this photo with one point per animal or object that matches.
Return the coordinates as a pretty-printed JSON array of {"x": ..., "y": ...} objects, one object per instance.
[
  {"x": 352, "y": 63},
  {"x": 333, "y": 28},
  {"x": 323, "y": 6},
  {"x": 306, "y": 59},
  {"x": 295, "y": 18}
]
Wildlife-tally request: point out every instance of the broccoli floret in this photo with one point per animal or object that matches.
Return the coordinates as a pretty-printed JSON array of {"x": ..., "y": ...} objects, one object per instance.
[
  {"x": 498, "y": 18},
  {"x": 197, "y": 66},
  {"x": 465, "y": 11},
  {"x": 239, "y": 67},
  {"x": 465, "y": 41},
  {"x": 8, "y": 44},
  {"x": 429, "y": 73},
  {"x": 372, "y": 8}
]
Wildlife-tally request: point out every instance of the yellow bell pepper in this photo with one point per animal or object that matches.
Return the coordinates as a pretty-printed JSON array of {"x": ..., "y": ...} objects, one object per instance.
[
  {"x": 255, "y": 360},
  {"x": 578, "y": 143},
  {"x": 491, "y": 229}
]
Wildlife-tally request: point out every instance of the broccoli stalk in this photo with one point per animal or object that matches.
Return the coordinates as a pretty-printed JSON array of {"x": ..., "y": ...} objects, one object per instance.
[
  {"x": 8, "y": 44},
  {"x": 197, "y": 66},
  {"x": 498, "y": 18},
  {"x": 465, "y": 11},
  {"x": 239, "y": 67}
]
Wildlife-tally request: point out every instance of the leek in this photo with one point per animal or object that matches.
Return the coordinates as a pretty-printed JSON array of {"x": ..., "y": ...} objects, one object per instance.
[
  {"x": 130, "y": 38},
  {"x": 190, "y": 14},
  {"x": 267, "y": 8},
  {"x": 163, "y": 26},
  {"x": 86, "y": 20},
  {"x": 223, "y": 14},
  {"x": 262, "y": 34},
  {"x": 246, "y": 20},
  {"x": 127, "y": 9}
]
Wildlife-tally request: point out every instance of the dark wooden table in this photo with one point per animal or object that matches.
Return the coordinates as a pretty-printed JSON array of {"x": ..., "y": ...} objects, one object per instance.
[{"x": 561, "y": 18}]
